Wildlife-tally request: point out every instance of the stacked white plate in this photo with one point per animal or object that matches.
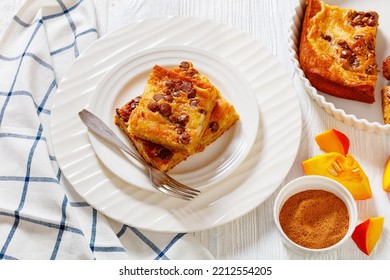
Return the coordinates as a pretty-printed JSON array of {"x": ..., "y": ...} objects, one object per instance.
[{"x": 238, "y": 172}]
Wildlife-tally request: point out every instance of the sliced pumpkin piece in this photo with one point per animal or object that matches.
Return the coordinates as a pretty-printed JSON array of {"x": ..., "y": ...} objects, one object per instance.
[
  {"x": 344, "y": 169},
  {"x": 333, "y": 140},
  {"x": 367, "y": 234},
  {"x": 386, "y": 176}
]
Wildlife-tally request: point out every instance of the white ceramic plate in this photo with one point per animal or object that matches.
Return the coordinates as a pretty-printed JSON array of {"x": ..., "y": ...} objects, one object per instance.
[
  {"x": 259, "y": 175},
  {"x": 360, "y": 115},
  {"x": 127, "y": 80}
]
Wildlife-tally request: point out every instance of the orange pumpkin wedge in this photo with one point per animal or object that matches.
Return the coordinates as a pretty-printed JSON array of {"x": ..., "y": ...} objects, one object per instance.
[
  {"x": 344, "y": 169},
  {"x": 367, "y": 234},
  {"x": 333, "y": 140},
  {"x": 386, "y": 176}
]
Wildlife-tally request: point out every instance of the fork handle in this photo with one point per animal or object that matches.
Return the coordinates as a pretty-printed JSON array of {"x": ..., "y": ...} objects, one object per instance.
[{"x": 98, "y": 127}]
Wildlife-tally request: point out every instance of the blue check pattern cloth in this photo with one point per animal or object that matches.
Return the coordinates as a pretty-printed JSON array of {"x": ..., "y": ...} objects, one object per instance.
[{"x": 41, "y": 217}]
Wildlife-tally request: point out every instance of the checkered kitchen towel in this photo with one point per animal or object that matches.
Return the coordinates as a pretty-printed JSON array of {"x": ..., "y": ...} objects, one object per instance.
[{"x": 41, "y": 217}]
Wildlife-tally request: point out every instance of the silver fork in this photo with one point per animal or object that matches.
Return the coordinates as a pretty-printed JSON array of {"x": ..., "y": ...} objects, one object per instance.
[{"x": 160, "y": 180}]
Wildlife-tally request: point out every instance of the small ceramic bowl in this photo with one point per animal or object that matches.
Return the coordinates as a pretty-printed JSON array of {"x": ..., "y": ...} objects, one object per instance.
[{"x": 315, "y": 183}]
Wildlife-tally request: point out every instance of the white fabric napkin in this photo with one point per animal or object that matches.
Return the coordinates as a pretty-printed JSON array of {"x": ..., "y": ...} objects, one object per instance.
[{"x": 41, "y": 217}]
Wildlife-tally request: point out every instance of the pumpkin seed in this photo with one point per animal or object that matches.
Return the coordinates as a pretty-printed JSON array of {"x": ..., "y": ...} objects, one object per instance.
[
  {"x": 333, "y": 172},
  {"x": 336, "y": 166}
]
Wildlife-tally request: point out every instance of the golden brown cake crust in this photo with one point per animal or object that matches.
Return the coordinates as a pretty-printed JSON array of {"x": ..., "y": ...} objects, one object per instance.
[
  {"x": 174, "y": 110},
  {"x": 337, "y": 51}
]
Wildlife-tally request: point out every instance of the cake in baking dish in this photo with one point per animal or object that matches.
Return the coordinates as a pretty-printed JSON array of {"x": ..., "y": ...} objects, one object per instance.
[
  {"x": 385, "y": 92},
  {"x": 163, "y": 157},
  {"x": 385, "y": 95},
  {"x": 337, "y": 50}
]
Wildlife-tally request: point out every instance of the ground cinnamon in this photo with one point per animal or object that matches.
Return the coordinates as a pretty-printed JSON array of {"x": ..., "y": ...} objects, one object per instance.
[{"x": 314, "y": 219}]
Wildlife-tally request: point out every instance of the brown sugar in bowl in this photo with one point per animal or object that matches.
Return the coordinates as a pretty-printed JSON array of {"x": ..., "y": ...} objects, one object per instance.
[{"x": 314, "y": 214}]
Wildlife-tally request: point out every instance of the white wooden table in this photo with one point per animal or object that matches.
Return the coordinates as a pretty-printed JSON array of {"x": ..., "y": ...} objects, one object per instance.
[{"x": 254, "y": 235}]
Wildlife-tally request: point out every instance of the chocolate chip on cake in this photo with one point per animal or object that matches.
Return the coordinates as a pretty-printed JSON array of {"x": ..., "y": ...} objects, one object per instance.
[
  {"x": 185, "y": 138},
  {"x": 154, "y": 106},
  {"x": 165, "y": 109},
  {"x": 158, "y": 96},
  {"x": 183, "y": 119},
  {"x": 170, "y": 84},
  {"x": 345, "y": 53},
  {"x": 184, "y": 65},
  {"x": 214, "y": 126},
  {"x": 192, "y": 93},
  {"x": 137, "y": 99},
  {"x": 186, "y": 86},
  {"x": 165, "y": 154},
  {"x": 326, "y": 37},
  {"x": 194, "y": 103},
  {"x": 176, "y": 94},
  {"x": 179, "y": 130},
  {"x": 168, "y": 98},
  {"x": 172, "y": 118}
]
